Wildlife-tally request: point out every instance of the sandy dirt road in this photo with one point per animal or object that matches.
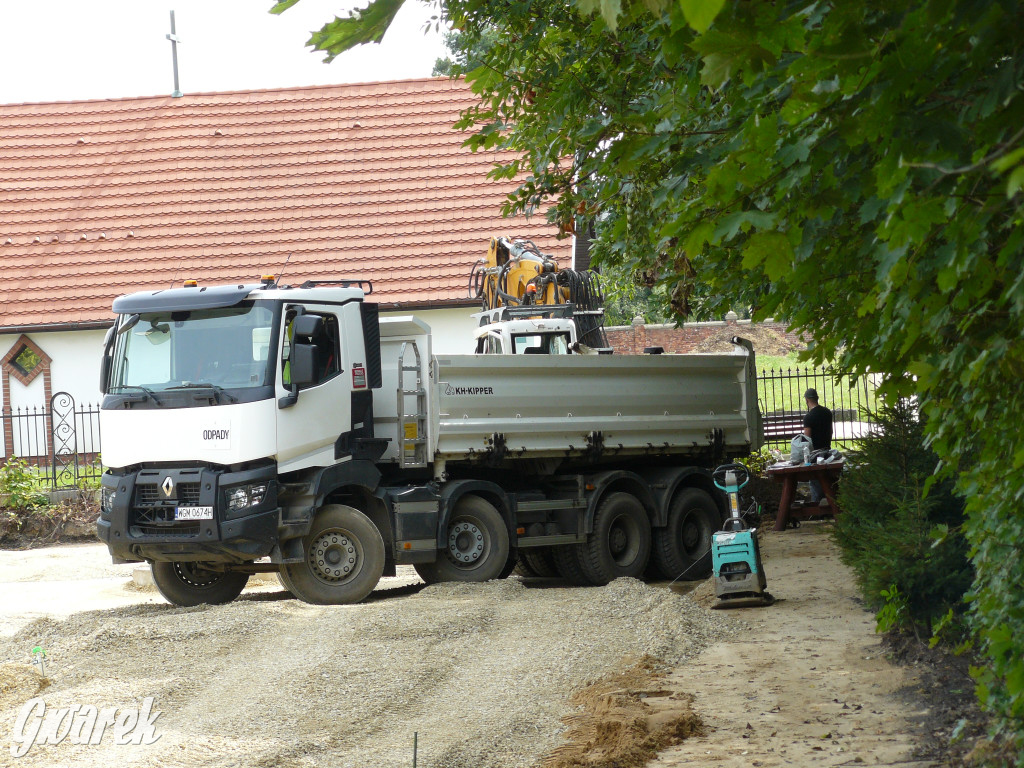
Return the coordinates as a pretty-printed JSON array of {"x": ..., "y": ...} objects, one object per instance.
[
  {"x": 808, "y": 684},
  {"x": 483, "y": 673}
]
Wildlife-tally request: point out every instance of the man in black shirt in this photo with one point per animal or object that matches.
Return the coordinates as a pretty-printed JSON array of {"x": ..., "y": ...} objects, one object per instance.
[
  {"x": 817, "y": 422},
  {"x": 818, "y": 427}
]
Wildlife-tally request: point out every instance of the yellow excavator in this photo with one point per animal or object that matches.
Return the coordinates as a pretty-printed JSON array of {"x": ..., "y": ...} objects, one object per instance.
[{"x": 522, "y": 282}]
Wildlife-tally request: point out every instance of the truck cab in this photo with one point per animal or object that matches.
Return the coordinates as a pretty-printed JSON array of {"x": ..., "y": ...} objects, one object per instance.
[
  {"x": 201, "y": 433},
  {"x": 529, "y": 330}
]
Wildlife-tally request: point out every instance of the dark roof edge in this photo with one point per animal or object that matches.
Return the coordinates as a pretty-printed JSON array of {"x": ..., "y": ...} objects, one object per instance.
[
  {"x": 87, "y": 325},
  {"x": 100, "y": 325},
  {"x": 439, "y": 304}
]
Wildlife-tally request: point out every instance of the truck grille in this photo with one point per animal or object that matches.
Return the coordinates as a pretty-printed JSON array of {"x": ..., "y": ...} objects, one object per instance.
[
  {"x": 148, "y": 495},
  {"x": 153, "y": 513},
  {"x": 177, "y": 531}
]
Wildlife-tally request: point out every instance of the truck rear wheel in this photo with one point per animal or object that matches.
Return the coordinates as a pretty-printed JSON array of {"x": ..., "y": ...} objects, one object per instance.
[
  {"x": 510, "y": 565},
  {"x": 567, "y": 562},
  {"x": 621, "y": 542},
  {"x": 189, "y": 584},
  {"x": 477, "y": 545},
  {"x": 538, "y": 561},
  {"x": 682, "y": 549},
  {"x": 344, "y": 558}
]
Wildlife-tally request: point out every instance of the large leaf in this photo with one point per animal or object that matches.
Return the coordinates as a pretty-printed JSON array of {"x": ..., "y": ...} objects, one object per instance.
[
  {"x": 283, "y": 6},
  {"x": 772, "y": 251},
  {"x": 700, "y": 13},
  {"x": 726, "y": 52},
  {"x": 363, "y": 26}
]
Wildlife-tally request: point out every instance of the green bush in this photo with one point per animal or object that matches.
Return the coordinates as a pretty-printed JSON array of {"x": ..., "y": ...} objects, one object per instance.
[
  {"x": 18, "y": 485},
  {"x": 905, "y": 548}
]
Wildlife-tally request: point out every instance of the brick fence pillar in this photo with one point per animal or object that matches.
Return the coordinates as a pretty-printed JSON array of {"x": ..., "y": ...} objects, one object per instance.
[{"x": 639, "y": 335}]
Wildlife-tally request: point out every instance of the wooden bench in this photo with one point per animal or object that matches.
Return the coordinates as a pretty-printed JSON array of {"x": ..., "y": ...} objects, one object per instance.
[
  {"x": 782, "y": 426},
  {"x": 790, "y": 475}
]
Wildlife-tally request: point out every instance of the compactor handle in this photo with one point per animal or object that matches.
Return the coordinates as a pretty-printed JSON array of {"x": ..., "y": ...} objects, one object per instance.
[{"x": 739, "y": 471}]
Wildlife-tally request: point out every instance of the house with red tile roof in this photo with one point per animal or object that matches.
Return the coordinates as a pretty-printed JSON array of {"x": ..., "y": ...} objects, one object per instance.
[{"x": 367, "y": 181}]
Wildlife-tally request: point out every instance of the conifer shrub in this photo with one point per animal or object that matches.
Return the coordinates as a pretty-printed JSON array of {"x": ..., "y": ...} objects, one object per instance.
[{"x": 905, "y": 547}]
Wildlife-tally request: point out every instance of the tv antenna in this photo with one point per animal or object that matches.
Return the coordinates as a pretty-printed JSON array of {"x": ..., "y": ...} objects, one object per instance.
[{"x": 173, "y": 37}]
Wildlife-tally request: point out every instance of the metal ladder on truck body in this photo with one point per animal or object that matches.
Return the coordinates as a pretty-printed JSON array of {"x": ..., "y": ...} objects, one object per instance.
[{"x": 412, "y": 427}]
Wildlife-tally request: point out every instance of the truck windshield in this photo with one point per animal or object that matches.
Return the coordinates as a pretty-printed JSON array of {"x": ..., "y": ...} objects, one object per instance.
[
  {"x": 540, "y": 343},
  {"x": 227, "y": 348}
]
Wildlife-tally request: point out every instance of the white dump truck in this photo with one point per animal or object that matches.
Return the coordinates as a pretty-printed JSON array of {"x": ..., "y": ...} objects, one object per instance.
[{"x": 265, "y": 427}]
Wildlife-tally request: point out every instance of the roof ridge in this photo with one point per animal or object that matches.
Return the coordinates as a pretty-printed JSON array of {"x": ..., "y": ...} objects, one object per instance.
[{"x": 234, "y": 92}]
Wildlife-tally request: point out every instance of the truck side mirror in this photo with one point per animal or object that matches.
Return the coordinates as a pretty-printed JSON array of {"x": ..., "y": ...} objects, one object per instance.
[
  {"x": 104, "y": 373},
  {"x": 306, "y": 327},
  {"x": 304, "y": 364},
  {"x": 105, "y": 360}
]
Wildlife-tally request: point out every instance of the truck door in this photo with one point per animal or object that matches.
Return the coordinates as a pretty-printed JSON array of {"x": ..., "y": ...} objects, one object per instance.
[{"x": 308, "y": 429}]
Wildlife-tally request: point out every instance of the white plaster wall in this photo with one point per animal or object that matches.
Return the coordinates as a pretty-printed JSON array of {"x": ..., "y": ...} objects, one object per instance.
[
  {"x": 74, "y": 368},
  {"x": 451, "y": 329}
]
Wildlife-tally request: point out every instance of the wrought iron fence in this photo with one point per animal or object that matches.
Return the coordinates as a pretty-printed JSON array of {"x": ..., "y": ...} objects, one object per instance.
[
  {"x": 60, "y": 440},
  {"x": 780, "y": 395}
]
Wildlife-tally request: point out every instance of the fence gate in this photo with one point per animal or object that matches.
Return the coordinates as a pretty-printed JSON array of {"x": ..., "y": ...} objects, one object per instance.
[{"x": 63, "y": 441}]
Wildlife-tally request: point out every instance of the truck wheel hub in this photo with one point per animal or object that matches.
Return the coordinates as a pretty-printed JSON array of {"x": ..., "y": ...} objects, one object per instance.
[
  {"x": 624, "y": 541},
  {"x": 618, "y": 541},
  {"x": 333, "y": 556},
  {"x": 195, "y": 575},
  {"x": 690, "y": 533},
  {"x": 465, "y": 543}
]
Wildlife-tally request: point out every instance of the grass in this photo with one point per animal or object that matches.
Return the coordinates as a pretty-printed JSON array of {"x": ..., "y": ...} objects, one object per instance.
[
  {"x": 783, "y": 379},
  {"x": 782, "y": 382},
  {"x": 777, "y": 362}
]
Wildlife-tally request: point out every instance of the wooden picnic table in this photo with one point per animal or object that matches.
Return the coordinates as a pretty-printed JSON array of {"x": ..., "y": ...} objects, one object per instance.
[{"x": 791, "y": 474}]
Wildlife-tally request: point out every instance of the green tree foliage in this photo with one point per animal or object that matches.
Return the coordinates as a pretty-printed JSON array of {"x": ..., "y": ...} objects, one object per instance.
[
  {"x": 462, "y": 58},
  {"x": 629, "y": 295},
  {"x": 895, "y": 537},
  {"x": 448, "y": 66},
  {"x": 855, "y": 168}
]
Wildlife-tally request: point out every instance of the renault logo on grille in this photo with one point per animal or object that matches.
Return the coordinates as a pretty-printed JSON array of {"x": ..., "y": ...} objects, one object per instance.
[{"x": 168, "y": 486}]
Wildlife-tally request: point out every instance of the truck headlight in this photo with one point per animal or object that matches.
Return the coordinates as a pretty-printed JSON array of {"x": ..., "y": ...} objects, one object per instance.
[
  {"x": 245, "y": 496},
  {"x": 238, "y": 499},
  {"x": 107, "y": 496}
]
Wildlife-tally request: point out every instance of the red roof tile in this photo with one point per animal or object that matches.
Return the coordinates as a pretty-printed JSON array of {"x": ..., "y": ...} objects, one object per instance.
[{"x": 364, "y": 181}]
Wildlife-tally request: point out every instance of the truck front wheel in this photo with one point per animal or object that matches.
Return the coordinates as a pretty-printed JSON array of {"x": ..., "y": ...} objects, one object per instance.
[
  {"x": 189, "y": 584},
  {"x": 682, "y": 549},
  {"x": 344, "y": 558},
  {"x": 621, "y": 542},
  {"x": 477, "y": 545}
]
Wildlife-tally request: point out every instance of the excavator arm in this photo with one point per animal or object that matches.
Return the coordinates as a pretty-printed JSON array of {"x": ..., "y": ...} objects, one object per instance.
[{"x": 515, "y": 273}]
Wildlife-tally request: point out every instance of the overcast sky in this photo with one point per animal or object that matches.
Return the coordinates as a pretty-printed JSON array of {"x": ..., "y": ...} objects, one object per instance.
[{"x": 59, "y": 50}]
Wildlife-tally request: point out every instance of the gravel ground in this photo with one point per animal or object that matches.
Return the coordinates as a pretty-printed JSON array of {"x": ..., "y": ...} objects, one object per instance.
[{"x": 483, "y": 673}]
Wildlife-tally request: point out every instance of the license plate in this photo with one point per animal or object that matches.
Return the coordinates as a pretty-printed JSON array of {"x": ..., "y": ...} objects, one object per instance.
[{"x": 193, "y": 513}]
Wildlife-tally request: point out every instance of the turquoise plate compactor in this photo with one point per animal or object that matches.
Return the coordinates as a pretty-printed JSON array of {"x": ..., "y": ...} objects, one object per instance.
[{"x": 735, "y": 555}]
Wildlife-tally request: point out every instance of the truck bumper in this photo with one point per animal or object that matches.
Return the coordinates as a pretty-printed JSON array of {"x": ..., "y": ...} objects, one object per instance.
[{"x": 138, "y": 516}]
